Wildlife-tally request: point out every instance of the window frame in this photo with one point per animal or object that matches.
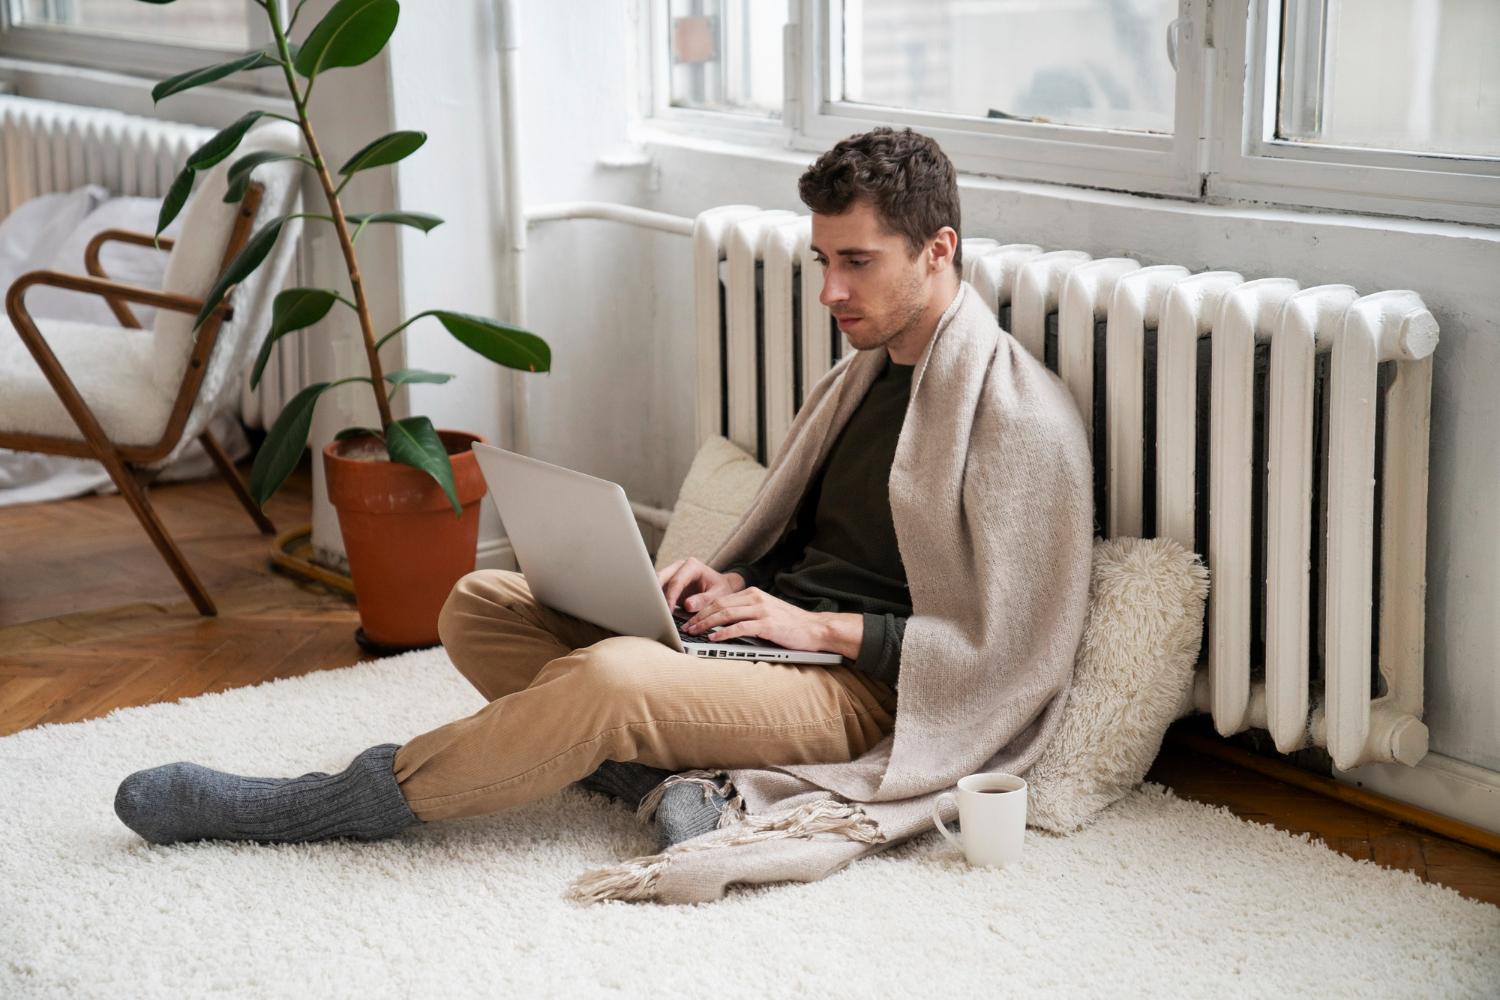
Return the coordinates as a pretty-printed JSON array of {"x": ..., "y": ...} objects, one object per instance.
[
  {"x": 1142, "y": 162},
  {"x": 1254, "y": 165},
  {"x": 123, "y": 54},
  {"x": 733, "y": 126},
  {"x": 1224, "y": 149}
]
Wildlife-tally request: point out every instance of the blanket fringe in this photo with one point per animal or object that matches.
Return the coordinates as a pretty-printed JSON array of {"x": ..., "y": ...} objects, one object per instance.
[{"x": 635, "y": 880}]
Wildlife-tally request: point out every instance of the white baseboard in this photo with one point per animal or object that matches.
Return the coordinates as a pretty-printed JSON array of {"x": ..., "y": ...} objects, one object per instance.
[
  {"x": 495, "y": 553},
  {"x": 1438, "y": 784}
]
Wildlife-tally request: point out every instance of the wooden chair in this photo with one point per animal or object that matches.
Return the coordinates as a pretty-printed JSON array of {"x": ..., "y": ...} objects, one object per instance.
[{"x": 145, "y": 357}]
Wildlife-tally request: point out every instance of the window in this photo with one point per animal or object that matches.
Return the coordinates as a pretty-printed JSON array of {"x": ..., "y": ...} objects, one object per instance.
[
  {"x": 1389, "y": 107},
  {"x": 1100, "y": 63},
  {"x": 201, "y": 23},
  {"x": 726, "y": 55},
  {"x": 1418, "y": 75},
  {"x": 1372, "y": 106},
  {"x": 147, "y": 40}
]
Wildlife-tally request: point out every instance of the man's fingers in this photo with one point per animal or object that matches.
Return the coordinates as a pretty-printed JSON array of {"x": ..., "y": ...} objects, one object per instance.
[
  {"x": 751, "y": 626},
  {"x": 680, "y": 581},
  {"x": 722, "y": 604},
  {"x": 667, "y": 572},
  {"x": 726, "y": 616}
]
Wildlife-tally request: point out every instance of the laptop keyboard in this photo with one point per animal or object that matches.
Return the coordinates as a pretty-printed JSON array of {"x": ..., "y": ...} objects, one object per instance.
[{"x": 682, "y": 617}]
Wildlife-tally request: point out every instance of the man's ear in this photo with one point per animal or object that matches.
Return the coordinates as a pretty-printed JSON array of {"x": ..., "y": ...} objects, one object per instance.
[{"x": 941, "y": 248}]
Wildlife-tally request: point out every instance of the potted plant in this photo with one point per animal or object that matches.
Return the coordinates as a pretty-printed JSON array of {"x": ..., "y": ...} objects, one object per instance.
[{"x": 407, "y": 494}]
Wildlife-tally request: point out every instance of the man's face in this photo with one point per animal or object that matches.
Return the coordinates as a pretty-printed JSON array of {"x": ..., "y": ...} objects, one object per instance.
[{"x": 871, "y": 283}]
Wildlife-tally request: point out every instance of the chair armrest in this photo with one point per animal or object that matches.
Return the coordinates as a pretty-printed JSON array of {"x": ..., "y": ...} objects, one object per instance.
[
  {"x": 92, "y": 265},
  {"x": 16, "y": 306}
]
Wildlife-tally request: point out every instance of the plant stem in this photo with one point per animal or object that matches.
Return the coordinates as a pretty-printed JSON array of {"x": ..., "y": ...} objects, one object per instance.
[{"x": 361, "y": 306}]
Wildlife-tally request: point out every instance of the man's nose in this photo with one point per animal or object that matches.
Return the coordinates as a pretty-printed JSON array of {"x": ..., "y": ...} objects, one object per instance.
[{"x": 833, "y": 288}]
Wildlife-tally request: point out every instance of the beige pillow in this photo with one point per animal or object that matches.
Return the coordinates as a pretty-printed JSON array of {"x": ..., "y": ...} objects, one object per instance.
[
  {"x": 1134, "y": 666},
  {"x": 719, "y": 487}
]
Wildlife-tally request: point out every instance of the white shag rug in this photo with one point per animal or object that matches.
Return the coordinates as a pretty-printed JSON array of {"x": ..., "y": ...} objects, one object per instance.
[{"x": 1160, "y": 897}]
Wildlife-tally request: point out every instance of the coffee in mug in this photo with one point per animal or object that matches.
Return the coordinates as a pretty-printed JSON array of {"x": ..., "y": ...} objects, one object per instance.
[{"x": 992, "y": 815}]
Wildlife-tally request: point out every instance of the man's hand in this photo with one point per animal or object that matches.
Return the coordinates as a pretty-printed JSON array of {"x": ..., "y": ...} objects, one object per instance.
[
  {"x": 751, "y": 611},
  {"x": 695, "y": 584}
]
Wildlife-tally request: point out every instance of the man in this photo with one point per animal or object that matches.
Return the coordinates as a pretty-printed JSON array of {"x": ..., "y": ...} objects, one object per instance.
[{"x": 568, "y": 701}]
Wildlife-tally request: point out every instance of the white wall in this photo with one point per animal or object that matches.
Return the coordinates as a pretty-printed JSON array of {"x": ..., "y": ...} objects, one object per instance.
[
  {"x": 445, "y": 82},
  {"x": 618, "y": 393}
]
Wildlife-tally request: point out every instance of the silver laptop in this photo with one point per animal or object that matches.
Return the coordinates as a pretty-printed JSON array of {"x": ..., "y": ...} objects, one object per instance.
[{"x": 578, "y": 545}]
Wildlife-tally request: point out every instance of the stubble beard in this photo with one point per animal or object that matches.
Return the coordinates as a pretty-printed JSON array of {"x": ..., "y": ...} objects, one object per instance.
[{"x": 905, "y": 313}]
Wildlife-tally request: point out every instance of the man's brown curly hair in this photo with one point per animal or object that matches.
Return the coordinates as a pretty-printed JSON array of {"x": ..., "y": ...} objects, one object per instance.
[{"x": 905, "y": 176}]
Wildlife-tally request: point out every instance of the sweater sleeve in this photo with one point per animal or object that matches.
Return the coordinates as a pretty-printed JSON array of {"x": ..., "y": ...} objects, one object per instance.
[{"x": 880, "y": 650}]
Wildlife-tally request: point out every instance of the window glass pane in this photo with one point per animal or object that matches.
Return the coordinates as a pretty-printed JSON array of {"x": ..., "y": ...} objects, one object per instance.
[
  {"x": 1397, "y": 74},
  {"x": 726, "y": 55},
  {"x": 1079, "y": 62},
  {"x": 211, "y": 23}
]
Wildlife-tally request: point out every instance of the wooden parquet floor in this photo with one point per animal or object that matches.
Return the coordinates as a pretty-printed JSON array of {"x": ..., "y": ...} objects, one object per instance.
[{"x": 91, "y": 620}]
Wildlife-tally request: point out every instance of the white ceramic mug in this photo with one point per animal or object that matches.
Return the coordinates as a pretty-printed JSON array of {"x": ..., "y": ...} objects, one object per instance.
[{"x": 992, "y": 814}]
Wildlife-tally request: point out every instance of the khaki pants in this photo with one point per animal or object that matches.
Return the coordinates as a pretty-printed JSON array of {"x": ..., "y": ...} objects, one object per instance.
[{"x": 566, "y": 696}]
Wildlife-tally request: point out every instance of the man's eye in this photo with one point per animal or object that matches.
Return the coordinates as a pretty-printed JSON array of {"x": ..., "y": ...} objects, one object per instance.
[{"x": 857, "y": 262}]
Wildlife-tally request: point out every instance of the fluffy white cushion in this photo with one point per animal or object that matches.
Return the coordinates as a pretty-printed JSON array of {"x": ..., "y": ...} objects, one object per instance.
[
  {"x": 195, "y": 263},
  {"x": 719, "y": 486},
  {"x": 110, "y": 365},
  {"x": 1134, "y": 665}
]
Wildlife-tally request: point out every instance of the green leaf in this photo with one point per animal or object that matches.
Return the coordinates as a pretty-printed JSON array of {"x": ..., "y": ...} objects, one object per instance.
[
  {"x": 417, "y": 220},
  {"x": 224, "y": 143},
  {"x": 244, "y": 263},
  {"x": 293, "y": 309},
  {"x": 412, "y": 441},
  {"x": 356, "y": 432},
  {"x": 240, "y": 170},
  {"x": 502, "y": 344},
  {"x": 352, "y": 32},
  {"x": 387, "y": 149},
  {"x": 177, "y": 196},
  {"x": 405, "y": 375},
  {"x": 284, "y": 444},
  {"x": 208, "y": 74}
]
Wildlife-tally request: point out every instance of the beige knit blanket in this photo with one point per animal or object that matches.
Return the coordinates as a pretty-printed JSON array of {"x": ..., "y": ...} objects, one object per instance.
[{"x": 992, "y": 498}]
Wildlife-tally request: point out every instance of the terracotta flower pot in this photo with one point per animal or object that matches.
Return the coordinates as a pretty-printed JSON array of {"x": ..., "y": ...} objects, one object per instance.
[{"x": 406, "y": 549}]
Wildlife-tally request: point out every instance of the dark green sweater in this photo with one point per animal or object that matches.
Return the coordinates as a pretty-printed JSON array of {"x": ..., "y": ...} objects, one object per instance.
[{"x": 840, "y": 554}]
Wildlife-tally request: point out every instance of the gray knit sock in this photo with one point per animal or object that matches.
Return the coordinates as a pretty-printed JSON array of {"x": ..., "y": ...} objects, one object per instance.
[
  {"x": 182, "y": 801},
  {"x": 624, "y": 780},
  {"x": 688, "y": 810}
]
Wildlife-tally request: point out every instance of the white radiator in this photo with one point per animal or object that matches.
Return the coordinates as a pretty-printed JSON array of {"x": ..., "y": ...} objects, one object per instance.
[
  {"x": 1298, "y": 417},
  {"x": 46, "y": 146}
]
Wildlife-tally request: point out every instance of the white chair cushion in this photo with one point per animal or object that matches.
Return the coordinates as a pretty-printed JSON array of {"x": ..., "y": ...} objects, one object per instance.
[
  {"x": 111, "y": 367},
  {"x": 195, "y": 262}
]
